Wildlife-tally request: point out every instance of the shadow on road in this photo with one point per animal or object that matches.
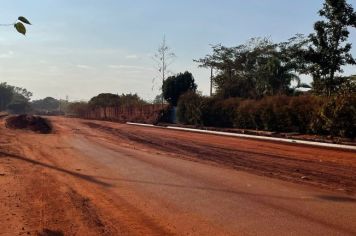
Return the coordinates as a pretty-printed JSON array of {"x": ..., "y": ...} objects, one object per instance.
[
  {"x": 78, "y": 175},
  {"x": 322, "y": 197},
  {"x": 337, "y": 198}
]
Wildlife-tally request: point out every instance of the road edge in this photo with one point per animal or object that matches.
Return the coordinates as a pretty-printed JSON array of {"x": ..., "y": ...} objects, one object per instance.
[{"x": 285, "y": 140}]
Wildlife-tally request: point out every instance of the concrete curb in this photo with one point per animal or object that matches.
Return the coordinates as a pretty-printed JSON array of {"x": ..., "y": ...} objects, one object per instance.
[{"x": 285, "y": 140}]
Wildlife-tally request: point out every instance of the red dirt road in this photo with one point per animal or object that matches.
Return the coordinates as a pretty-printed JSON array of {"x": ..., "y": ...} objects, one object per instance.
[{"x": 101, "y": 178}]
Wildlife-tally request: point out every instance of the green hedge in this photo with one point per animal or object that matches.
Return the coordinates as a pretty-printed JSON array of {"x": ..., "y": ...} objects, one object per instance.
[
  {"x": 303, "y": 114},
  {"x": 278, "y": 113},
  {"x": 220, "y": 113},
  {"x": 190, "y": 109},
  {"x": 336, "y": 116}
]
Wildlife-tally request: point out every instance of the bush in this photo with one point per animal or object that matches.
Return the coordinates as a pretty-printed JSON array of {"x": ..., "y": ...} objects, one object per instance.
[
  {"x": 247, "y": 115},
  {"x": 302, "y": 114},
  {"x": 278, "y": 113},
  {"x": 270, "y": 113},
  {"x": 275, "y": 114},
  {"x": 189, "y": 109},
  {"x": 337, "y": 117},
  {"x": 194, "y": 109},
  {"x": 220, "y": 113},
  {"x": 303, "y": 110},
  {"x": 165, "y": 115}
]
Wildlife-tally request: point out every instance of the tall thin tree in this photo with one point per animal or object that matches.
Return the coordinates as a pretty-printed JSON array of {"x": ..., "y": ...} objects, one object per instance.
[{"x": 163, "y": 57}]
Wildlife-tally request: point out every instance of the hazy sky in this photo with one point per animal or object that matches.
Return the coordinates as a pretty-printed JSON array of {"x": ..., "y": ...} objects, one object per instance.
[{"x": 81, "y": 48}]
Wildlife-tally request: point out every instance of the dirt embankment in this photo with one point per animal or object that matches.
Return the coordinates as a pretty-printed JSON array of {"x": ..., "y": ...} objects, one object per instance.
[{"x": 330, "y": 169}]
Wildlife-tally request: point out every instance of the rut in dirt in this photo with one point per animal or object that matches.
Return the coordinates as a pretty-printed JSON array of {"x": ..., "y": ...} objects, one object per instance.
[{"x": 325, "y": 174}]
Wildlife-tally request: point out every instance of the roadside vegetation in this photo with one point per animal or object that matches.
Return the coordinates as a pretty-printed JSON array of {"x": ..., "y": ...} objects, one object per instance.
[
  {"x": 257, "y": 85},
  {"x": 14, "y": 99}
]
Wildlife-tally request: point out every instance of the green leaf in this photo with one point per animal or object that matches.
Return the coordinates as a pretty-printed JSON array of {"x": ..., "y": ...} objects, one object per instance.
[
  {"x": 20, "y": 28},
  {"x": 24, "y": 20}
]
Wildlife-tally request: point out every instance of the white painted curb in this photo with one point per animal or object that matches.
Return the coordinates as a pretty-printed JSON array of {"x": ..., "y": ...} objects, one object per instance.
[
  {"x": 139, "y": 124},
  {"x": 329, "y": 145}
]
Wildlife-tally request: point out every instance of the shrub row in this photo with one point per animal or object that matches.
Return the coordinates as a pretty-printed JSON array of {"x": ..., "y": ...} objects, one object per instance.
[{"x": 303, "y": 114}]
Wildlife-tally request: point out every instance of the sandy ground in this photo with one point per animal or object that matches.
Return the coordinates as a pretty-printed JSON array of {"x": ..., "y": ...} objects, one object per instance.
[{"x": 102, "y": 178}]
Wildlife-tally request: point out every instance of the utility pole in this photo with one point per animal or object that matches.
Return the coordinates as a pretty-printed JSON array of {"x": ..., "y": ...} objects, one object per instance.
[
  {"x": 163, "y": 65},
  {"x": 211, "y": 81},
  {"x": 60, "y": 107}
]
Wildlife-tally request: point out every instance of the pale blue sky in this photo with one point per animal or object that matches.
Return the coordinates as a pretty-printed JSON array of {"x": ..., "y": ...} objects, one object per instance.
[{"x": 81, "y": 48}]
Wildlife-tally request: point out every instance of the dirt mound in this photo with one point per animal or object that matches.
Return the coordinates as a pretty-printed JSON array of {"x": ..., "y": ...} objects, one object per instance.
[
  {"x": 34, "y": 123},
  {"x": 3, "y": 115}
]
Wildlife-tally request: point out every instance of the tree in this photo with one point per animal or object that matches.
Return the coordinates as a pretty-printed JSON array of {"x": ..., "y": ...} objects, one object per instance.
[
  {"x": 174, "y": 86},
  {"x": 163, "y": 58},
  {"x": 252, "y": 70},
  {"x": 23, "y": 92},
  {"x": 19, "y": 24},
  {"x": 13, "y": 98},
  {"x": 6, "y": 95},
  {"x": 46, "y": 104},
  {"x": 158, "y": 99},
  {"x": 105, "y": 100},
  {"x": 19, "y": 104},
  {"x": 329, "y": 51},
  {"x": 347, "y": 86},
  {"x": 78, "y": 108},
  {"x": 131, "y": 100},
  {"x": 276, "y": 76},
  {"x": 110, "y": 100}
]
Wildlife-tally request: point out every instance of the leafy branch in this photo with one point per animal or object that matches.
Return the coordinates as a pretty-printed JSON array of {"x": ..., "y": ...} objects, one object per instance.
[{"x": 19, "y": 24}]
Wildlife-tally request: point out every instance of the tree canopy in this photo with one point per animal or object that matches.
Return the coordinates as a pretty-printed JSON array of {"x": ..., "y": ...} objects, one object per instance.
[
  {"x": 263, "y": 68},
  {"x": 174, "y": 86},
  {"x": 131, "y": 100},
  {"x": 328, "y": 50},
  {"x": 13, "y": 98},
  {"x": 46, "y": 104},
  {"x": 111, "y": 100},
  {"x": 104, "y": 100},
  {"x": 251, "y": 70}
]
